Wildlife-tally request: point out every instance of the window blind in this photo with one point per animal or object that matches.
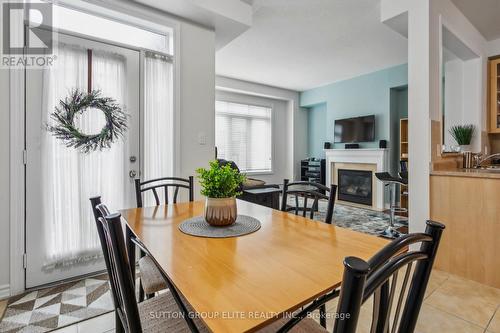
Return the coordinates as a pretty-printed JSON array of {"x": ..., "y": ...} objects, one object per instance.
[{"x": 243, "y": 134}]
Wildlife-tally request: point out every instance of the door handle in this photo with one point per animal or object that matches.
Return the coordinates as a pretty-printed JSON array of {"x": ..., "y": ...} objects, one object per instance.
[{"x": 132, "y": 173}]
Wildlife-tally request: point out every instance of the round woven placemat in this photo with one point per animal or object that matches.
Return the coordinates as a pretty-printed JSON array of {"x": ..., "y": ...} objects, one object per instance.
[{"x": 197, "y": 226}]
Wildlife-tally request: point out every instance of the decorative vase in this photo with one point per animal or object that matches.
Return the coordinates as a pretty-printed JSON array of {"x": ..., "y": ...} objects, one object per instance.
[
  {"x": 220, "y": 212},
  {"x": 465, "y": 148}
]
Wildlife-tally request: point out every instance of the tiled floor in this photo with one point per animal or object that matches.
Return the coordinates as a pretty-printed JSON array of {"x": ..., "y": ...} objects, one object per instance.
[{"x": 451, "y": 305}]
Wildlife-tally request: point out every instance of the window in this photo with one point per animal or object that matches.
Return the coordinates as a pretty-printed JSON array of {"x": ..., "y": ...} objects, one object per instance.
[
  {"x": 243, "y": 135},
  {"x": 152, "y": 37}
]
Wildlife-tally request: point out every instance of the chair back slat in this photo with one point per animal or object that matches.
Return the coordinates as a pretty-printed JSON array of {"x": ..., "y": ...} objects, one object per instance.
[
  {"x": 315, "y": 206},
  {"x": 157, "y": 198},
  {"x": 378, "y": 278},
  {"x": 304, "y": 207},
  {"x": 165, "y": 194},
  {"x": 153, "y": 185},
  {"x": 176, "y": 192},
  {"x": 306, "y": 191},
  {"x": 401, "y": 297}
]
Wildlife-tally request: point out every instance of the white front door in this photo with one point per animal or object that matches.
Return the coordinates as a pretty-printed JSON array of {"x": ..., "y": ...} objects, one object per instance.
[{"x": 61, "y": 237}]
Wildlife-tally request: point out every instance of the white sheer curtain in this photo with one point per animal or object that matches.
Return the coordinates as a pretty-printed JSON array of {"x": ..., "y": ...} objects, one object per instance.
[
  {"x": 69, "y": 178},
  {"x": 158, "y": 119}
]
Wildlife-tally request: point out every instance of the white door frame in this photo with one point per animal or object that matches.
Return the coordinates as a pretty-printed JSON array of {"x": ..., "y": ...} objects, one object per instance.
[{"x": 17, "y": 184}]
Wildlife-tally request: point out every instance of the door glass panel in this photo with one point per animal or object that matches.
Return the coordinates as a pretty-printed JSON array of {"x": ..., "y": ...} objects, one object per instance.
[
  {"x": 59, "y": 162},
  {"x": 61, "y": 237},
  {"x": 69, "y": 177},
  {"x": 158, "y": 120}
]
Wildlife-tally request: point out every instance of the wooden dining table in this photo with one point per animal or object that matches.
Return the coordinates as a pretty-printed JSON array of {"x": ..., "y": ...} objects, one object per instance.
[{"x": 241, "y": 284}]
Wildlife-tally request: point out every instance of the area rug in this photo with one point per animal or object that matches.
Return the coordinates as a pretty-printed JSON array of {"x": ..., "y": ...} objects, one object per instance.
[
  {"x": 358, "y": 219},
  {"x": 48, "y": 309}
]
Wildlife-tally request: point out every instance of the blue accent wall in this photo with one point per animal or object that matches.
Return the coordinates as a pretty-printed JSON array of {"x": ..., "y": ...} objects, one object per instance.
[
  {"x": 316, "y": 124},
  {"x": 360, "y": 96}
]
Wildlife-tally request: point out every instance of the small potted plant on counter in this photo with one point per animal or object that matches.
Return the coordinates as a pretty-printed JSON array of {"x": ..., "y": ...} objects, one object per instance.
[
  {"x": 220, "y": 185},
  {"x": 463, "y": 135}
]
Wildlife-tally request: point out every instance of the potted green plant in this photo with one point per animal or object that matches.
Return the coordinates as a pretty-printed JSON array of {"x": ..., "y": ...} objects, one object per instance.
[
  {"x": 463, "y": 135},
  {"x": 220, "y": 185}
]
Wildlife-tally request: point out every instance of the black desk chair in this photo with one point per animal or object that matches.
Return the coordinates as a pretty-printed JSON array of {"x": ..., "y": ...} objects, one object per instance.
[{"x": 392, "y": 182}]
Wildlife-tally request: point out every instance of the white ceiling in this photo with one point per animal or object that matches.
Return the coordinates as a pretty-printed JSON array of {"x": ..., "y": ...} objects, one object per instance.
[
  {"x": 303, "y": 44},
  {"x": 229, "y": 18},
  {"x": 483, "y": 14}
]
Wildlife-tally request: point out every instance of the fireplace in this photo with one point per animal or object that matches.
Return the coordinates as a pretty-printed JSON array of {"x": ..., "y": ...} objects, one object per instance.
[{"x": 355, "y": 186}]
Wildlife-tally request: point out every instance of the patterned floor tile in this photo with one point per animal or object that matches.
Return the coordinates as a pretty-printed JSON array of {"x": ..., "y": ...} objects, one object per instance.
[{"x": 51, "y": 308}]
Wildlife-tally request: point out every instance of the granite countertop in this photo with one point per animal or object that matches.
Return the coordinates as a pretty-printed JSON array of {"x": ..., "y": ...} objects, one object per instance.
[{"x": 478, "y": 173}]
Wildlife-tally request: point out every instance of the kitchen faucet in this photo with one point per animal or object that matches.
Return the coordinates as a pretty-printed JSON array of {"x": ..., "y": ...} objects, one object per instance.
[{"x": 480, "y": 159}]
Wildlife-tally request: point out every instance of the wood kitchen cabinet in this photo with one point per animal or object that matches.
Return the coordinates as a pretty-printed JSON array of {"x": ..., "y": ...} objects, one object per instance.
[{"x": 494, "y": 99}]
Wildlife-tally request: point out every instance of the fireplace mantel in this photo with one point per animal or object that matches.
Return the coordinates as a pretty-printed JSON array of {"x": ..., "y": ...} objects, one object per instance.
[{"x": 376, "y": 157}]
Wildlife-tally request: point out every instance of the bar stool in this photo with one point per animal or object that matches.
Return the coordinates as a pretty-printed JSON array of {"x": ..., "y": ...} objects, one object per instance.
[{"x": 391, "y": 182}]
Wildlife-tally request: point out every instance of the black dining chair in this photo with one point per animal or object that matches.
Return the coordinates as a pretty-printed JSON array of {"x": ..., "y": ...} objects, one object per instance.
[
  {"x": 151, "y": 280},
  {"x": 95, "y": 203},
  {"x": 163, "y": 184},
  {"x": 163, "y": 313},
  {"x": 377, "y": 279},
  {"x": 308, "y": 191}
]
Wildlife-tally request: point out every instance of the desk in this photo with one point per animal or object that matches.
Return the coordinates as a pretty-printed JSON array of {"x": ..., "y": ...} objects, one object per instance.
[{"x": 268, "y": 196}]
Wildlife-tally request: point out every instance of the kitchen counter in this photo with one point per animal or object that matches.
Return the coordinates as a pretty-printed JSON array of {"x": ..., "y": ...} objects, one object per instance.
[
  {"x": 477, "y": 173},
  {"x": 466, "y": 201}
]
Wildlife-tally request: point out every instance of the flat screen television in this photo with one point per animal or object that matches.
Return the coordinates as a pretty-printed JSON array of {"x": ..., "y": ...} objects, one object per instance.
[{"x": 359, "y": 129}]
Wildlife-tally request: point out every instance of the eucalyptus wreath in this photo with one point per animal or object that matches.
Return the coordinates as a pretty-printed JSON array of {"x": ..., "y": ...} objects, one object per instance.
[{"x": 64, "y": 128}]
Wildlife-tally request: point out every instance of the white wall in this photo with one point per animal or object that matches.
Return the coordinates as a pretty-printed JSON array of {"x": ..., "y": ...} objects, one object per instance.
[
  {"x": 453, "y": 97},
  {"x": 4, "y": 182},
  {"x": 4, "y": 178},
  {"x": 419, "y": 101},
  {"x": 475, "y": 70},
  {"x": 297, "y": 141},
  {"x": 494, "y": 48},
  {"x": 281, "y": 133},
  {"x": 196, "y": 99},
  {"x": 462, "y": 98},
  {"x": 474, "y": 100},
  {"x": 197, "y": 104},
  {"x": 424, "y": 77}
]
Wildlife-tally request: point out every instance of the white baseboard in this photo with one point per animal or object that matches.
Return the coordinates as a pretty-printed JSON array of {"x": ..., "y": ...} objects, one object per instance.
[{"x": 4, "y": 291}]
